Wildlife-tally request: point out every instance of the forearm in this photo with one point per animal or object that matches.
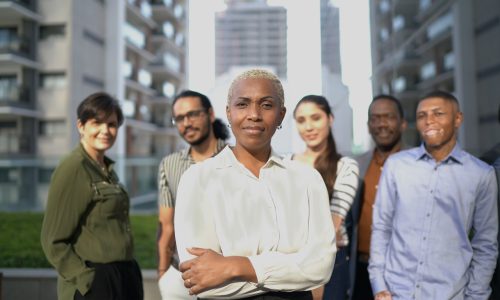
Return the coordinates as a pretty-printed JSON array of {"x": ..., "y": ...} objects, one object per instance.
[{"x": 165, "y": 247}]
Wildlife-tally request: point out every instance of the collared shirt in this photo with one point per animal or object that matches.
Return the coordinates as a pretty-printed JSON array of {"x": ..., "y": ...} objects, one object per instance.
[
  {"x": 86, "y": 219},
  {"x": 170, "y": 171},
  {"x": 435, "y": 227},
  {"x": 279, "y": 220}
]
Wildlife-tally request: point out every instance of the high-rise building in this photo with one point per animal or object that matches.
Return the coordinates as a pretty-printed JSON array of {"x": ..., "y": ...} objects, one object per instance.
[
  {"x": 332, "y": 87},
  {"x": 453, "y": 45},
  {"x": 251, "y": 33},
  {"x": 53, "y": 53}
]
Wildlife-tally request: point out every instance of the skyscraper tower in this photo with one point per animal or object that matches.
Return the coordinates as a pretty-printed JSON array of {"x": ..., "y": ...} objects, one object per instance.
[{"x": 251, "y": 33}]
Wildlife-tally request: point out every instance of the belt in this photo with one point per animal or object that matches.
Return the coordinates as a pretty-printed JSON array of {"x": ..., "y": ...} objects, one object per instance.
[{"x": 363, "y": 257}]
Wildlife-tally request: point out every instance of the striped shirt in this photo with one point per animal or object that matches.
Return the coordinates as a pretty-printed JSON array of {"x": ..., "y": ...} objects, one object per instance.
[
  {"x": 170, "y": 171},
  {"x": 344, "y": 191}
]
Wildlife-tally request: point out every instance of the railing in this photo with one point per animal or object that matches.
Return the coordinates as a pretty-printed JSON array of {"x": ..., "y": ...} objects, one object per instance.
[{"x": 16, "y": 45}]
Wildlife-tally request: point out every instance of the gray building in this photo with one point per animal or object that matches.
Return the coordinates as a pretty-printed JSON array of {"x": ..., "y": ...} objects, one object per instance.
[
  {"x": 251, "y": 33},
  {"x": 452, "y": 45},
  {"x": 53, "y": 53}
]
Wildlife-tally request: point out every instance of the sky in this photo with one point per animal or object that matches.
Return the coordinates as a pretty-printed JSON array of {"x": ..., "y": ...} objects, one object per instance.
[{"x": 302, "y": 31}]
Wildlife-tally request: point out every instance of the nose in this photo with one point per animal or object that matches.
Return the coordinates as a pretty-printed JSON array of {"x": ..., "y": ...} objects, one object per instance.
[
  {"x": 308, "y": 125},
  {"x": 104, "y": 128},
  {"x": 254, "y": 112},
  {"x": 186, "y": 121}
]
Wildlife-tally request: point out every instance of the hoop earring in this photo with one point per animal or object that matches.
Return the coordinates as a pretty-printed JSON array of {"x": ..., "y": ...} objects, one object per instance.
[
  {"x": 279, "y": 127},
  {"x": 228, "y": 125}
]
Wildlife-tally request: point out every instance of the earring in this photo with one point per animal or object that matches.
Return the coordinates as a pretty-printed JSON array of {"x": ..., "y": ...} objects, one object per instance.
[
  {"x": 228, "y": 125},
  {"x": 279, "y": 127}
]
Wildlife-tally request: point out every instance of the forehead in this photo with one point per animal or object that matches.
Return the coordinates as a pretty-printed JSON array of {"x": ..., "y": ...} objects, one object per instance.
[
  {"x": 254, "y": 88},
  {"x": 383, "y": 106},
  {"x": 308, "y": 108},
  {"x": 105, "y": 117},
  {"x": 434, "y": 103},
  {"x": 185, "y": 104}
]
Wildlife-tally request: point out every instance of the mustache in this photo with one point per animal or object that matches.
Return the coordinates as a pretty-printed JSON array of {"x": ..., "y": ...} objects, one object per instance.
[{"x": 189, "y": 128}]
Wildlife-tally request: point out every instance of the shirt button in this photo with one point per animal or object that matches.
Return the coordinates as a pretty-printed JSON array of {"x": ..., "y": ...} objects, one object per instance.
[
  {"x": 418, "y": 286},
  {"x": 421, "y": 263},
  {"x": 428, "y": 214},
  {"x": 425, "y": 238}
]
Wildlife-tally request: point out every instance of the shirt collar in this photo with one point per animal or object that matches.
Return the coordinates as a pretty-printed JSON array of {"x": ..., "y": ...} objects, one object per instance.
[
  {"x": 228, "y": 159},
  {"x": 456, "y": 154},
  {"x": 108, "y": 161}
]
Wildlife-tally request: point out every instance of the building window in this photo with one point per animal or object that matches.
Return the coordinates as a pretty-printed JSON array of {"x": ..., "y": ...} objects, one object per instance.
[
  {"x": 399, "y": 84},
  {"x": 440, "y": 25},
  {"x": 52, "y": 128},
  {"x": 398, "y": 23},
  {"x": 52, "y": 80},
  {"x": 8, "y": 87},
  {"x": 44, "y": 175},
  {"x": 168, "y": 29},
  {"x": 47, "y": 31},
  {"x": 428, "y": 70},
  {"x": 8, "y": 38},
  {"x": 169, "y": 89},
  {"x": 134, "y": 35},
  {"x": 449, "y": 61},
  {"x": 171, "y": 61},
  {"x": 145, "y": 78}
]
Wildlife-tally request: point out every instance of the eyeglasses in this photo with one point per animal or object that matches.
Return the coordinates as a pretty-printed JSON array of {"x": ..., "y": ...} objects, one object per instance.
[{"x": 190, "y": 115}]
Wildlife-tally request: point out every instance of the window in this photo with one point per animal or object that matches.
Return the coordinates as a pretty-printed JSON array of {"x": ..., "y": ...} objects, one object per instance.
[
  {"x": 428, "y": 70},
  {"x": 52, "y": 128},
  {"x": 399, "y": 84},
  {"x": 8, "y": 87},
  {"x": 449, "y": 61},
  {"x": 169, "y": 89},
  {"x": 168, "y": 29},
  {"x": 134, "y": 35},
  {"x": 52, "y": 80},
  {"x": 47, "y": 31},
  {"x": 8, "y": 37},
  {"x": 44, "y": 174},
  {"x": 398, "y": 23},
  {"x": 440, "y": 25},
  {"x": 171, "y": 62},
  {"x": 145, "y": 78}
]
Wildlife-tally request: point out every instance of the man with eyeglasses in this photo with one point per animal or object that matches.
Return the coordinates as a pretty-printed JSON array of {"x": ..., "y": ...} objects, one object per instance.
[{"x": 193, "y": 115}]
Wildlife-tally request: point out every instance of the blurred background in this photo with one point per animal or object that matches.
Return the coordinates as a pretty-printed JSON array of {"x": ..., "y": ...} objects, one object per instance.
[{"x": 53, "y": 53}]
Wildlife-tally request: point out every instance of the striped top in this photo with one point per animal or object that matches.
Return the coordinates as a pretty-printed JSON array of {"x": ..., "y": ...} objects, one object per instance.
[
  {"x": 344, "y": 191},
  {"x": 170, "y": 171}
]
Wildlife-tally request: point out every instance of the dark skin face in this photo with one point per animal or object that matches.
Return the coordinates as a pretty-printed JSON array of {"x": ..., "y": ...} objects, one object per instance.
[
  {"x": 254, "y": 112},
  {"x": 438, "y": 121},
  {"x": 385, "y": 124}
]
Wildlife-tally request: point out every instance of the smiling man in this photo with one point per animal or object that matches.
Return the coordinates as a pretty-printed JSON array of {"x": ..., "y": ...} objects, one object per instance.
[
  {"x": 386, "y": 125},
  {"x": 193, "y": 115},
  {"x": 435, "y": 220}
]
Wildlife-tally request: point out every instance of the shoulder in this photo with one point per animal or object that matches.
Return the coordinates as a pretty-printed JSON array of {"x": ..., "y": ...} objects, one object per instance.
[
  {"x": 470, "y": 161},
  {"x": 298, "y": 169},
  {"x": 347, "y": 161},
  {"x": 172, "y": 158},
  {"x": 72, "y": 168}
]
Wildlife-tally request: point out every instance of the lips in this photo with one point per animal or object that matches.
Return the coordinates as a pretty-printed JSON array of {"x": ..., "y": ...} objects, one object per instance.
[
  {"x": 253, "y": 129},
  {"x": 432, "y": 132}
]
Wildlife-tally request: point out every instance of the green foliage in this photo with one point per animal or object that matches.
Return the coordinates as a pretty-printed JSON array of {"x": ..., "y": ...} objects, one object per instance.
[{"x": 20, "y": 240}]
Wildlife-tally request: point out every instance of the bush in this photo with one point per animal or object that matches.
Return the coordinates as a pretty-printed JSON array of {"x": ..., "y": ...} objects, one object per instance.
[{"x": 20, "y": 240}]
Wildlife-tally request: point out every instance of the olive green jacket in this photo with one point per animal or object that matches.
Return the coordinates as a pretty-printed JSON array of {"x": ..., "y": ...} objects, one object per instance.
[{"x": 86, "y": 220}]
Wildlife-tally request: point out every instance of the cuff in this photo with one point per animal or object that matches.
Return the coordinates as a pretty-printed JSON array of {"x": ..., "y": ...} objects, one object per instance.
[
  {"x": 84, "y": 281},
  {"x": 378, "y": 285}
]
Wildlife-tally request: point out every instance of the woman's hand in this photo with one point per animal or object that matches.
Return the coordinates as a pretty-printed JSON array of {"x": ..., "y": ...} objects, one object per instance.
[
  {"x": 210, "y": 269},
  {"x": 383, "y": 295}
]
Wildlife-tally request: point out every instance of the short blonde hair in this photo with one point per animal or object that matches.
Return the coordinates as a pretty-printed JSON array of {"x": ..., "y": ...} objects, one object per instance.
[{"x": 259, "y": 74}]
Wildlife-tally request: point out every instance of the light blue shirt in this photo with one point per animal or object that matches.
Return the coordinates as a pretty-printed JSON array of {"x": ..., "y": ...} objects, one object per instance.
[{"x": 424, "y": 215}]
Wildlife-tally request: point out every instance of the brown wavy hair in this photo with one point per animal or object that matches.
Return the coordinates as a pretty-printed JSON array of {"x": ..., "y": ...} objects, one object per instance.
[{"x": 326, "y": 162}]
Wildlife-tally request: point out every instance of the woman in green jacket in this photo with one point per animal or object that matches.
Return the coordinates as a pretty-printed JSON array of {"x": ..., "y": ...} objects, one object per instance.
[{"x": 86, "y": 232}]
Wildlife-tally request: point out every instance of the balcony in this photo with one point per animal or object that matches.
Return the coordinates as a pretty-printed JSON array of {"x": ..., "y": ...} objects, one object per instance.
[
  {"x": 139, "y": 14},
  {"x": 14, "y": 10},
  {"x": 15, "y": 95},
  {"x": 169, "y": 10},
  {"x": 14, "y": 144}
]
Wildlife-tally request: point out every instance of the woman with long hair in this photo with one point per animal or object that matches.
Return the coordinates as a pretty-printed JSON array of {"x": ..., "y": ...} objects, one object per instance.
[{"x": 314, "y": 120}]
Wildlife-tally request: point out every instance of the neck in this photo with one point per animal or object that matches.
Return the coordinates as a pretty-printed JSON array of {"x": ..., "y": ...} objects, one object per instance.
[
  {"x": 384, "y": 152},
  {"x": 253, "y": 161},
  {"x": 98, "y": 156},
  {"x": 441, "y": 152},
  {"x": 204, "y": 150}
]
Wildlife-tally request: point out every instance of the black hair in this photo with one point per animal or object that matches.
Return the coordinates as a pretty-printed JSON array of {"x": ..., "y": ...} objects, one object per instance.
[
  {"x": 390, "y": 98},
  {"x": 326, "y": 162},
  {"x": 441, "y": 94},
  {"x": 99, "y": 106},
  {"x": 219, "y": 128}
]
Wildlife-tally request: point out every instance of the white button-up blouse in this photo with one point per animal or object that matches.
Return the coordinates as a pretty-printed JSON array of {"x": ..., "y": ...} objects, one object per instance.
[{"x": 280, "y": 220}]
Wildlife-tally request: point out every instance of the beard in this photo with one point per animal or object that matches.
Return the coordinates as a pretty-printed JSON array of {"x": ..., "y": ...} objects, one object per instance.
[{"x": 205, "y": 134}]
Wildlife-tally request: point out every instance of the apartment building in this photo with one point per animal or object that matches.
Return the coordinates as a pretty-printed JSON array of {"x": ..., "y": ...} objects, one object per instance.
[
  {"x": 453, "y": 45},
  {"x": 53, "y": 53}
]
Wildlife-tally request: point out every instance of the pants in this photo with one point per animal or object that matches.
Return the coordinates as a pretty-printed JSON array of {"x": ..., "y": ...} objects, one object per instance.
[
  {"x": 172, "y": 286},
  {"x": 114, "y": 281},
  {"x": 307, "y": 295},
  {"x": 362, "y": 286},
  {"x": 338, "y": 285}
]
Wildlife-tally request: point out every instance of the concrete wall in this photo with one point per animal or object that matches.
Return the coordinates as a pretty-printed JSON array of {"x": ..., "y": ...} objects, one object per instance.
[{"x": 41, "y": 284}]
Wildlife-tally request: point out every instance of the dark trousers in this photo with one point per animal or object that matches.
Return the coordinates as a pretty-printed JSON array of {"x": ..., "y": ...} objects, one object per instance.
[
  {"x": 362, "y": 286},
  {"x": 307, "y": 295},
  {"x": 338, "y": 285},
  {"x": 115, "y": 281}
]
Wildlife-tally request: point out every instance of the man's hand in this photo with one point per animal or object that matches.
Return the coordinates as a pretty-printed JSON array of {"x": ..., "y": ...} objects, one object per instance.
[{"x": 383, "y": 295}]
